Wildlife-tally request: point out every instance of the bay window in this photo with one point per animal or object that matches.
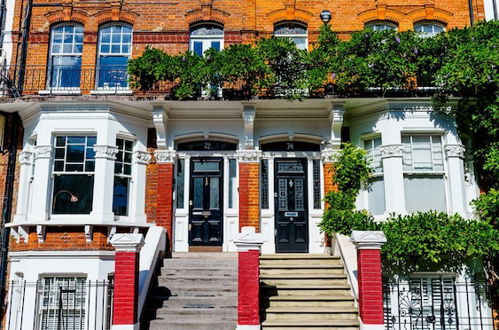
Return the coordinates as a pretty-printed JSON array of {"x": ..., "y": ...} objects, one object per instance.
[
  {"x": 423, "y": 165},
  {"x": 66, "y": 47},
  {"x": 206, "y": 36},
  {"x": 376, "y": 190},
  {"x": 115, "y": 48},
  {"x": 73, "y": 170},
  {"x": 296, "y": 32},
  {"x": 122, "y": 177}
]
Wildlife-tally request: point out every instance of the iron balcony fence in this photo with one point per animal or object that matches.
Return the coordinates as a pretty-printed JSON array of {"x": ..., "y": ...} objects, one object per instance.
[
  {"x": 58, "y": 303},
  {"x": 77, "y": 79},
  {"x": 432, "y": 303}
]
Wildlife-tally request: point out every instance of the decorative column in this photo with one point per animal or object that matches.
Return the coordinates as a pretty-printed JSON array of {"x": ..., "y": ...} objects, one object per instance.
[
  {"x": 25, "y": 160},
  {"x": 393, "y": 176},
  {"x": 165, "y": 160},
  {"x": 137, "y": 205},
  {"x": 102, "y": 205},
  {"x": 248, "y": 308},
  {"x": 368, "y": 244},
  {"x": 41, "y": 177},
  {"x": 126, "y": 280},
  {"x": 455, "y": 162}
]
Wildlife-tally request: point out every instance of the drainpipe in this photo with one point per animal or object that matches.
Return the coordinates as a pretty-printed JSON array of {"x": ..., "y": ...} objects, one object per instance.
[
  {"x": 24, "y": 45},
  {"x": 7, "y": 202},
  {"x": 472, "y": 15},
  {"x": 3, "y": 13}
]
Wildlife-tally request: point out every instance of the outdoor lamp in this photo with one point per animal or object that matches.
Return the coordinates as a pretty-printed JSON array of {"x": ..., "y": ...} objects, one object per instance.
[{"x": 325, "y": 16}]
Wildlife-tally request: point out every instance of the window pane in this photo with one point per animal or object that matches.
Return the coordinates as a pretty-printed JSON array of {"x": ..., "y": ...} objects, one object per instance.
[
  {"x": 180, "y": 183},
  {"x": 215, "y": 45},
  {"x": 113, "y": 71},
  {"x": 65, "y": 71},
  {"x": 232, "y": 182},
  {"x": 120, "y": 195},
  {"x": 73, "y": 194},
  {"x": 75, "y": 153},
  {"x": 376, "y": 196},
  {"x": 424, "y": 193},
  {"x": 206, "y": 166},
  {"x": 198, "y": 48}
]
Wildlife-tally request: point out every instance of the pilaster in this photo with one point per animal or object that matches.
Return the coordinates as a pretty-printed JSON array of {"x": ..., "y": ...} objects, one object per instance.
[
  {"x": 26, "y": 162},
  {"x": 249, "y": 188},
  {"x": 41, "y": 177},
  {"x": 102, "y": 205},
  {"x": 455, "y": 161},
  {"x": 393, "y": 176}
]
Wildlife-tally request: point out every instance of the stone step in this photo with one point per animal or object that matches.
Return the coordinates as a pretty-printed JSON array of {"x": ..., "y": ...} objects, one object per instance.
[
  {"x": 205, "y": 255},
  {"x": 304, "y": 290},
  {"x": 178, "y": 289},
  {"x": 226, "y": 313},
  {"x": 290, "y": 314},
  {"x": 309, "y": 301},
  {"x": 335, "y": 325},
  {"x": 209, "y": 263},
  {"x": 199, "y": 271},
  {"x": 304, "y": 279},
  {"x": 293, "y": 269},
  {"x": 299, "y": 260},
  {"x": 160, "y": 324},
  {"x": 182, "y": 281},
  {"x": 193, "y": 301}
]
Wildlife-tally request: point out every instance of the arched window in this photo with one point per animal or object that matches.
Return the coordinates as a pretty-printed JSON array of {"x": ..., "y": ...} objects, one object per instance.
[
  {"x": 295, "y": 31},
  {"x": 205, "y": 36},
  {"x": 428, "y": 28},
  {"x": 381, "y": 25},
  {"x": 115, "y": 48},
  {"x": 66, "y": 46}
]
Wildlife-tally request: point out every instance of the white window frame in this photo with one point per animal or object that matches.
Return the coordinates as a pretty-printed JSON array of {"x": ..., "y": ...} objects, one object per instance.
[
  {"x": 381, "y": 25},
  {"x": 429, "y": 34},
  {"x": 65, "y": 172},
  {"x": 291, "y": 36},
  {"x": 206, "y": 39},
  {"x": 110, "y": 53},
  {"x": 123, "y": 174},
  {"x": 74, "y": 53},
  {"x": 430, "y": 135}
]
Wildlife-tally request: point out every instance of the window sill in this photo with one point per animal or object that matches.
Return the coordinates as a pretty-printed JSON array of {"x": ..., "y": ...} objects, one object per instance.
[
  {"x": 60, "y": 91},
  {"x": 112, "y": 91},
  {"x": 80, "y": 222}
]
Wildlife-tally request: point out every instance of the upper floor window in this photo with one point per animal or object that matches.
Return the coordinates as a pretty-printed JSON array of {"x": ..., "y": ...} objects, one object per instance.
[
  {"x": 295, "y": 31},
  {"x": 371, "y": 146},
  {"x": 122, "y": 176},
  {"x": 115, "y": 48},
  {"x": 428, "y": 28},
  {"x": 74, "y": 167},
  {"x": 66, "y": 46},
  {"x": 381, "y": 25},
  {"x": 206, "y": 36},
  {"x": 423, "y": 165}
]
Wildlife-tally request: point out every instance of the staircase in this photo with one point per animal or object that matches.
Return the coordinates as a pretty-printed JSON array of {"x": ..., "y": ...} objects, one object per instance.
[
  {"x": 194, "y": 291},
  {"x": 305, "y": 291}
]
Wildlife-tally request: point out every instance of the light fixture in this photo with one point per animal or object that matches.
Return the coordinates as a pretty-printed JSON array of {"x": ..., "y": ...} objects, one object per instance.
[{"x": 326, "y": 16}]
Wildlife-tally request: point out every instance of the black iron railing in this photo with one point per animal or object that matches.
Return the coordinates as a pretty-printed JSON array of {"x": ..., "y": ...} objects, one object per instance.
[
  {"x": 437, "y": 303},
  {"x": 58, "y": 303}
]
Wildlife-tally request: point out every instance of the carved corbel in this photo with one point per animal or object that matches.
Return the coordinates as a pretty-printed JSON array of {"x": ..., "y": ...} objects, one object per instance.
[
  {"x": 249, "y": 113},
  {"x": 89, "y": 231},
  {"x": 40, "y": 233},
  {"x": 111, "y": 230},
  {"x": 160, "y": 119},
  {"x": 336, "y": 113}
]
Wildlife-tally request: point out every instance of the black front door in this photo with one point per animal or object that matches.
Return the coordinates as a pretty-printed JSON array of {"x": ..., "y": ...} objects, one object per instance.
[
  {"x": 291, "y": 205},
  {"x": 205, "y": 202}
]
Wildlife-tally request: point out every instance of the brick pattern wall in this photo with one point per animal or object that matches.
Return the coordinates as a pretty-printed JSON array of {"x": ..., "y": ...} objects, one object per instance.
[
  {"x": 125, "y": 288},
  {"x": 370, "y": 286},
  {"x": 249, "y": 192},
  {"x": 248, "y": 288},
  {"x": 165, "y": 24},
  {"x": 328, "y": 186},
  {"x": 62, "y": 238},
  {"x": 164, "y": 205}
]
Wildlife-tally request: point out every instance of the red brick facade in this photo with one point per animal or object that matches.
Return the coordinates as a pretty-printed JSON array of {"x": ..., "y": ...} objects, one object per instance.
[
  {"x": 249, "y": 288},
  {"x": 126, "y": 282},
  {"x": 249, "y": 192},
  {"x": 370, "y": 286}
]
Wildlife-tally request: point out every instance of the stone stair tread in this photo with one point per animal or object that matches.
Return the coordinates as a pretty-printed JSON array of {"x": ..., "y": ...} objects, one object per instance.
[
  {"x": 298, "y": 266},
  {"x": 318, "y": 297},
  {"x": 309, "y": 310},
  {"x": 305, "y": 256},
  {"x": 306, "y": 287},
  {"x": 340, "y": 323},
  {"x": 195, "y": 277},
  {"x": 303, "y": 276}
]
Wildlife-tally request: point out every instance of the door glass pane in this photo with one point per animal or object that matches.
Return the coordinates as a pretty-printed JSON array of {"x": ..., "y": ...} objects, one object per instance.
[
  {"x": 299, "y": 196},
  {"x": 198, "y": 193},
  {"x": 290, "y": 167},
  {"x": 264, "y": 184},
  {"x": 214, "y": 193},
  {"x": 317, "y": 183},
  {"x": 283, "y": 194}
]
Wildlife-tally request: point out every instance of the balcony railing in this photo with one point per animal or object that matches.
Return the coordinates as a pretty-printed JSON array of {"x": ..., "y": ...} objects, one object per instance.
[{"x": 91, "y": 80}]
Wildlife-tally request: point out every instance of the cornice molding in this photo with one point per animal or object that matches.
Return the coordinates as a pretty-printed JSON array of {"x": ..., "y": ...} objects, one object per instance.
[
  {"x": 105, "y": 151},
  {"x": 26, "y": 158}
]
